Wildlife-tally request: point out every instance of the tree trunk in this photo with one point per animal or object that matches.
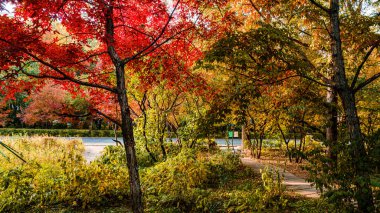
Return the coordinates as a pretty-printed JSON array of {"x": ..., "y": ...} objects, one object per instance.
[
  {"x": 358, "y": 153},
  {"x": 243, "y": 137},
  {"x": 260, "y": 147},
  {"x": 163, "y": 150},
  {"x": 129, "y": 143},
  {"x": 286, "y": 141},
  {"x": 256, "y": 146},
  {"x": 332, "y": 124},
  {"x": 126, "y": 120},
  {"x": 145, "y": 137}
]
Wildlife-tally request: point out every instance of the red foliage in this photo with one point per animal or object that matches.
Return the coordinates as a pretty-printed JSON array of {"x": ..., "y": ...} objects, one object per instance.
[{"x": 68, "y": 40}]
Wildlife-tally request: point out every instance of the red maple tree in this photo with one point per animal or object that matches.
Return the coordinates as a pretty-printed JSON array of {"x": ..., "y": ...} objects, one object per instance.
[{"x": 100, "y": 44}]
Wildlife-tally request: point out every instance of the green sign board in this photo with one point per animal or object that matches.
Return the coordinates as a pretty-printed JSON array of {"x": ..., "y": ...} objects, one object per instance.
[{"x": 230, "y": 134}]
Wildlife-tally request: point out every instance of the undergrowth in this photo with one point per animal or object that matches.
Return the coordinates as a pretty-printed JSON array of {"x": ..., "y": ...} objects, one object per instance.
[{"x": 57, "y": 177}]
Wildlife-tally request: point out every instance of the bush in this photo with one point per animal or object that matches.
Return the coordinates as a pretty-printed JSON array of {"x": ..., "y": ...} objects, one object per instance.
[
  {"x": 112, "y": 155},
  {"x": 179, "y": 181},
  {"x": 57, "y": 174}
]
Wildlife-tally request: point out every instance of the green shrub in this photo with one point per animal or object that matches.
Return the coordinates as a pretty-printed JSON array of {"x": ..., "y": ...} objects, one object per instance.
[
  {"x": 112, "y": 155},
  {"x": 57, "y": 175},
  {"x": 182, "y": 182}
]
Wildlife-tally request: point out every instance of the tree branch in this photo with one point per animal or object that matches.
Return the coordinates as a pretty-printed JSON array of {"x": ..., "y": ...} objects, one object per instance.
[
  {"x": 108, "y": 117},
  {"x": 84, "y": 59},
  {"x": 315, "y": 81},
  {"x": 320, "y": 6},
  {"x": 312, "y": 127},
  {"x": 137, "y": 55},
  {"x": 366, "y": 82},
  {"x": 357, "y": 73},
  {"x": 56, "y": 69},
  {"x": 72, "y": 115},
  {"x": 257, "y": 10}
]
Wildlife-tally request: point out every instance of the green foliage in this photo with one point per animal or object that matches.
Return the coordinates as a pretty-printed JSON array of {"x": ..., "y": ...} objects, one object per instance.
[
  {"x": 273, "y": 188},
  {"x": 195, "y": 180},
  {"x": 204, "y": 182},
  {"x": 59, "y": 132},
  {"x": 338, "y": 185},
  {"x": 113, "y": 155},
  {"x": 57, "y": 175}
]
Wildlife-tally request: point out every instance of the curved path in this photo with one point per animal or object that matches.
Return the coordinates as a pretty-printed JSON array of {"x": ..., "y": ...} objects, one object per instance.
[{"x": 292, "y": 182}]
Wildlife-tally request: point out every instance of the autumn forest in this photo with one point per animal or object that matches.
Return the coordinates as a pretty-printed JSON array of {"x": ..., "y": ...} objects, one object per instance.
[{"x": 189, "y": 106}]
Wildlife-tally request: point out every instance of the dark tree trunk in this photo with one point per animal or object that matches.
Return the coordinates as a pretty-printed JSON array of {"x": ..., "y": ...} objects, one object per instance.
[
  {"x": 129, "y": 143},
  {"x": 163, "y": 150},
  {"x": 126, "y": 120},
  {"x": 358, "y": 153}
]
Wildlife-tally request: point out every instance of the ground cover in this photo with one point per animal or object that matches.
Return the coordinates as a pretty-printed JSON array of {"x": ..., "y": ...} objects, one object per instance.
[{"x": 56, "y": 178}]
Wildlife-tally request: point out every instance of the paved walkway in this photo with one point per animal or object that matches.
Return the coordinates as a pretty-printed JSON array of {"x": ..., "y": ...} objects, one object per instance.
[
  {"x": 94, "y": 150},
  {"x": 292, "y": 182}
]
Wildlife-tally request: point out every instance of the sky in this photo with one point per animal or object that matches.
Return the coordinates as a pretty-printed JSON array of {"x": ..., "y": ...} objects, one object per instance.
[{"x": 7, "y": 8}]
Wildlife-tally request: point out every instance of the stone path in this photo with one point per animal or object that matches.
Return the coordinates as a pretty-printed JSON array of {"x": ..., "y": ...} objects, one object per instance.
[{"x": 292, "y": 182}]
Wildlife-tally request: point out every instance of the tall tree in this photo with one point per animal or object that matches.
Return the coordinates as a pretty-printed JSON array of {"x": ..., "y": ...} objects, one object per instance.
[
  {"x": 94, "y": 43},
  {"x": 347, "y": 94},
  {"x": 303, "y": 26}
]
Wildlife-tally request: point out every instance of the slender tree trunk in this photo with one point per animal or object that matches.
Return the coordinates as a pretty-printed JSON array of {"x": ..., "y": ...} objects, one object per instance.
[
  {"x": 260, "y": 147},
  {"x": 163, "y": 150},
  {"x": 129, "y": 142},
  {"x": 243, "y": 137},
  {"x": 126, "y": 120},
  {"x": 145, "y": 137},
  {"x": 256, "y": 147},
  {"x": 286, "y": 141},
  {"x": 332, "y": 124},
  {"x": 358, "y": 153}
]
